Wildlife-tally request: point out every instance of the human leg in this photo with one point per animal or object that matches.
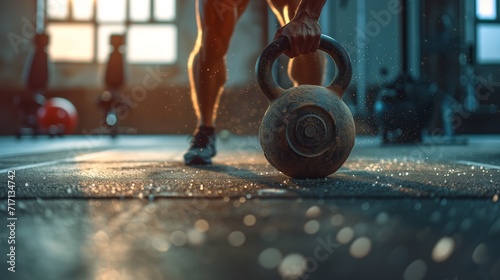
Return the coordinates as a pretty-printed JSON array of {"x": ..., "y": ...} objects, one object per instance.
[
  {"x": 216, "y": 20},
  {"x": 307, "y": 68}
]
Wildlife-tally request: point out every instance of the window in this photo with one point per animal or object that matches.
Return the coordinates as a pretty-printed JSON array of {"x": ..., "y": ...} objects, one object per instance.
[
  {"x": 487, "y": 32},
  {"x": 80, "y": 29},
  {"x": 488, "y": 43},
  {"x": 486, "y": 9}
]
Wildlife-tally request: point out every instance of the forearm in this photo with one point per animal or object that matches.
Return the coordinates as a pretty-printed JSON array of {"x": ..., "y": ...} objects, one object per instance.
[{"x": 310, "y": 7}]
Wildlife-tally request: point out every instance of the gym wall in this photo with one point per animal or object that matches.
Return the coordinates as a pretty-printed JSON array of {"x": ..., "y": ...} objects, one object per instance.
[{"x": 164, "y": 109}]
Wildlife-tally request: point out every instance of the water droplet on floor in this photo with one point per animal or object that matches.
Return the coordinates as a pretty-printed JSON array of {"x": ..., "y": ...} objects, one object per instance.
[
  {"x": 236, "y": 238},
  {"x": 480, "y": 254},
  {"x": 337, "y": 220},
  {"x": 178, "y": 238},
  {"x": 312, "y": 227},
  {"x": 345, "y": 235},
  {"x": 195, "y": 237},
  {"x": 360, "y": 248},
  {"x": 443, "y": 249},
  {"x": 313, "y": 212},
  {"x": 382, "y": 218},
  {"x": 417, "y": 206},
  {"x": 249, "y": 220},
  {"x": 160, "y": 244},
  {"x": 21, "y": 205},
  {"x": 292, "y": 266},
  {"x": 415, "y": 270},
  {"x": 270, "y": 258},
  {"x": 201, "y": 225}
]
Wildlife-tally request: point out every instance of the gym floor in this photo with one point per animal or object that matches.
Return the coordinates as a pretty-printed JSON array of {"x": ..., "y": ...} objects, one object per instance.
[{"x": 127, "y": 208}]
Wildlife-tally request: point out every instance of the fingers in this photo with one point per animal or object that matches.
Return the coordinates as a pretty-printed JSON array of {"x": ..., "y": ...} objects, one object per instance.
[
  {"x": 303, "y": 44},
  {"x": 313, "y": 44},
  {"x": 303, "y": 38},
  {"x": 296, "y": 46},
  {"x": 278, "y": 33},
  {"x": 309, "y": 45}
]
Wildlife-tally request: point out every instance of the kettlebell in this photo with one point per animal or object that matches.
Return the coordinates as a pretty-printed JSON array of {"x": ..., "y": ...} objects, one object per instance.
[{"x": 308, "y": 131}]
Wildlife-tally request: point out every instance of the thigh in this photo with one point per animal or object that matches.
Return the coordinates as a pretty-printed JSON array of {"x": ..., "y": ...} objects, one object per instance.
[
  {"x": 219, "y": 15},
  {"x": 216, "y": 21},
  {"x": 284, "y": 9}
]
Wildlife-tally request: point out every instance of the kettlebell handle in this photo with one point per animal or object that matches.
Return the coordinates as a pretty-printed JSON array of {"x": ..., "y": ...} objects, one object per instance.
[{"x": 265, "y": 62}]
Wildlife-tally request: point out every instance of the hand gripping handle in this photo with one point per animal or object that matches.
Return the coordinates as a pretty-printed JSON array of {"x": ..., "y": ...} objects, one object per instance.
[{"x": 272, "y": 90}]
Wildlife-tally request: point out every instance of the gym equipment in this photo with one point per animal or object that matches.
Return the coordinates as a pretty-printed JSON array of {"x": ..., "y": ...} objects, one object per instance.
[
  {"x": 110, "y": 100},
  {"x": 403, "y": 108},
  {"x": 36, "y": 78},
  {"x": 307, "y": 131},
  {"x": 58, "y": 116}
]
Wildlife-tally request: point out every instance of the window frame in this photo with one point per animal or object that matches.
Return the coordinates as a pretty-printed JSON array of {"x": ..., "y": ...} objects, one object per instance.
[
  {"x": 127, "y": 23},
  {"x": 484, "y": 22},
  {"x": 478, "y": 20}
]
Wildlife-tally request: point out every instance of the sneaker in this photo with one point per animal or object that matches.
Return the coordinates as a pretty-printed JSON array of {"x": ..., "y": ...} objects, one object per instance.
[{"x": 202, "y": 147}]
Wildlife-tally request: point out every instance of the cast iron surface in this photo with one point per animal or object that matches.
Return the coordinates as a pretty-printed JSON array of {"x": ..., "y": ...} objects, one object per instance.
[{"x": 307, "y": 131}]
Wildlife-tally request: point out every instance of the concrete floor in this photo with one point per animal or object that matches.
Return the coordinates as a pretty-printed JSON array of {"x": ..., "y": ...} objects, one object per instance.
[{"x": 97, "y": 208}]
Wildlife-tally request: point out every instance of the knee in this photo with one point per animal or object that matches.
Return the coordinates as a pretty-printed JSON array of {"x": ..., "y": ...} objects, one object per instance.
[{"x": 214, "y": 43}]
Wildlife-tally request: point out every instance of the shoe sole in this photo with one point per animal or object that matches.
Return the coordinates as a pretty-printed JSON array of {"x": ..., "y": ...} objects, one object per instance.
[{"x": 198, "y": 161}]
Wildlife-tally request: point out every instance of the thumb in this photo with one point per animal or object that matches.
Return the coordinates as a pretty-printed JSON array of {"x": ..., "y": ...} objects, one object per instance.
[{"x": 279, "y": 33}]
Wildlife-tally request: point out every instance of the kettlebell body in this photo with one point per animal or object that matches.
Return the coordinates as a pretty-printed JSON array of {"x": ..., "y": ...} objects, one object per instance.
[{"x": 307, "y": 131}]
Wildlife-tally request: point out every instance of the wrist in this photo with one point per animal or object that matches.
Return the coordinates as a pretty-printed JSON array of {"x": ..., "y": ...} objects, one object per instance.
[
  {"x": 305, "y": 15},
  {"x": 311, "y": 8}
]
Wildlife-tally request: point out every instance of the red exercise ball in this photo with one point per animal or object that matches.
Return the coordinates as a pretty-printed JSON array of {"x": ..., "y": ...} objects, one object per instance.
[{"x": 58, "y": 116}]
